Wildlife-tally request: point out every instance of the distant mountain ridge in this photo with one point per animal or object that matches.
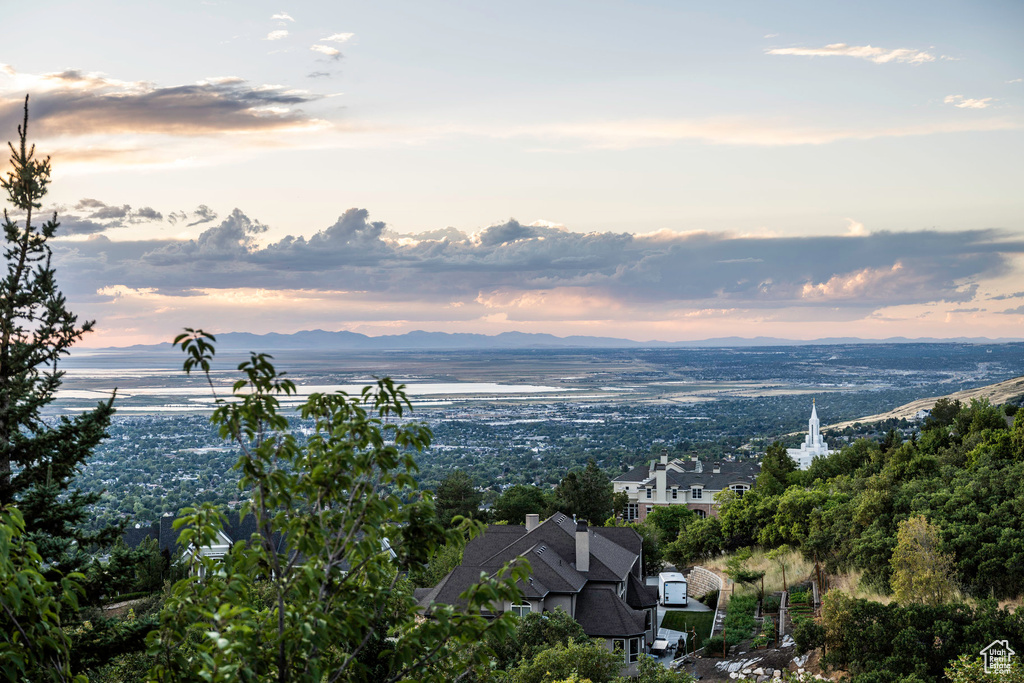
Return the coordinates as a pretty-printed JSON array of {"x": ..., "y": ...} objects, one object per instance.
[{"x": 419, "y": 340}]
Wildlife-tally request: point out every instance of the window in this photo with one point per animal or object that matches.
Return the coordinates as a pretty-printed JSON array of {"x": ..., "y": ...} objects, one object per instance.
[
  {"x": 675, "y": 493},
  {"x": 522, "y": 610},
  {"x": 740, "y": 489},
  {"x": 700, "y": 514},
  {"x": 632, "y": 510},
  {"x": 622, "y": 589},
  {"x": 649, "y": 508},
  {"x": 649, "y": 492},
  {"x": 634, "y": 649},
  {"x": 696, "y": 493},
  {"x": 619, "y": 645}
]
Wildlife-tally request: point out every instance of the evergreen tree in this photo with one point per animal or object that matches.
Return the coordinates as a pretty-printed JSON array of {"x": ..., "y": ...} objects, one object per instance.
[
  {"x": 586, "y": 494},
  {"x": 457, "y": 496},
  {"x": 39, "y": 457}
]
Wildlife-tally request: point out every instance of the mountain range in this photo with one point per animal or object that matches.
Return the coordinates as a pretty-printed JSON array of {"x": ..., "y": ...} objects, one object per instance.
[{"x": 419, "y": 340}]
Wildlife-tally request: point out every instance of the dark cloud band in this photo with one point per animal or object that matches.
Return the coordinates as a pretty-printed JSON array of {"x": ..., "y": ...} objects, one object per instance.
[{"x": 862, "y": 272}]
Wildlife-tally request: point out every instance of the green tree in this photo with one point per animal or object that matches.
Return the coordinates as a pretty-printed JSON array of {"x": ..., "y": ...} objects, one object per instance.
[
  {"x": 520, "y": 500},
  {"x": 338, "y": 522},
  {"x": 456, "y": 496},
  {"x": 620, "y": 501},
  {"x": 670, "y": 520},
  {"x": 33, "y": 643},
  {"x": 703, "y": 539},
  {"x": 535, "y": 632},
  {"x": 444, "y": 559},
  {"x": 586, "y": 494},
  {"x": 38, "y": 457},
  {"x": 921, "y": 572},
  {"x": 943, "y": 413},
  {"x": 971, "y": 669},
  {"x": 776, "y": 469},
  {"x": 588, "y": 660},
  {"x": 738, "y": 572}
]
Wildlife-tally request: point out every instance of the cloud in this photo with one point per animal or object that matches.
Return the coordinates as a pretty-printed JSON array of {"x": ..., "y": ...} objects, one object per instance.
[
  {"x": 203, "y": 214},
  {"x": 277, "y": 35},
  {"x": 91, "y": 216},
  {"x": 960, "y": 102},
  {"x": 234, "y": 237},
  {"x": 965, "y": 310},
  {"x": 147, "y": 213},
  {"x": 338, "y": 38},
  {"x": 318, "y": 74},
  {"x": 855, "y": 228},
  {"x": 1016, "y": 80},
  {"x": 1013, "y": 311},
  {"x": 510, "y": 267},
  {"x": 89, "y": 204},
  {"x": 108, "y": 212},
  {"x": 74, "y": 102},
  {"x": 1002, "y": 297},
  {"x": 326, "y": 50},
  {"x": 281, "y": 16},
  {"x": 877, "y": 55}
]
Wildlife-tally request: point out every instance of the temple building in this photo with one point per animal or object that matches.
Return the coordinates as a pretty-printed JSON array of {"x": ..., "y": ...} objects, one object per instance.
[{"x": 814, "y": 445}]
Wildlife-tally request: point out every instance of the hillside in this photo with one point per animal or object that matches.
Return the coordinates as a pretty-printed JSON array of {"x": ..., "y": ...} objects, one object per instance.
[{"x": 997, "y": 394}]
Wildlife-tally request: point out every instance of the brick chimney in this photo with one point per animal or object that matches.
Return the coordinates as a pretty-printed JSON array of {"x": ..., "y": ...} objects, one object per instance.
[
  {"x": 532, "y": 522},
  {"x": 582, "y": 547}
]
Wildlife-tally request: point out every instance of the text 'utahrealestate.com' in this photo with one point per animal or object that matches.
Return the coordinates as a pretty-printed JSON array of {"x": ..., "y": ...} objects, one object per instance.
[{"x": 512, "y": 342}]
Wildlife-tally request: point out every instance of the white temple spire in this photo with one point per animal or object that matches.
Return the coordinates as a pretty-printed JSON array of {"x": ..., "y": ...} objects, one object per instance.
[{"x": 814, "y": 445}]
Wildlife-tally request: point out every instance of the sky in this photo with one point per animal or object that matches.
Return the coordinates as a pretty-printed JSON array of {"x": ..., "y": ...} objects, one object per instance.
[{"x": 648, "y": 170}]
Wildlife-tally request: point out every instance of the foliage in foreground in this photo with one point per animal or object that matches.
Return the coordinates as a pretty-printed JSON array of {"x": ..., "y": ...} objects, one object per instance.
[
  {"x": 333, "y": 537},
  {"x": 39, "y": 457},
  {"x": 887, "y": 643},
  {"x": 33, "y": 643}
]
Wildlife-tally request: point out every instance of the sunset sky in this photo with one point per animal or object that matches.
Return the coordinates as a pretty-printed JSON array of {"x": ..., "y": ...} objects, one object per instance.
[{"x": 650, "y": 170}]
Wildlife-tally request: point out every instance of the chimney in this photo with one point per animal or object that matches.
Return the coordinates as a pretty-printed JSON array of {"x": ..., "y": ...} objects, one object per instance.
[
  {"x": 661, "y": 481},
  {"x": 717, "y": 469},
  {"x": 532, "y": 522},
  {"x": 582, "y": 547},
  {"x": 664, "y": 456}
]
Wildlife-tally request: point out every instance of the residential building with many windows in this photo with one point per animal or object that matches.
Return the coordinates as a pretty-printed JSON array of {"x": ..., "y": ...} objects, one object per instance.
[{"x": 683, "y": 482}]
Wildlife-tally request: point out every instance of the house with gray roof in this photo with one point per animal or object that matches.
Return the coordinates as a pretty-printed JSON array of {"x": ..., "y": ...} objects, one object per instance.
[
  {"x": 235, "y": 529},
  {"x": 681, "y": 482},
  {"x": 595, "y": 574}
]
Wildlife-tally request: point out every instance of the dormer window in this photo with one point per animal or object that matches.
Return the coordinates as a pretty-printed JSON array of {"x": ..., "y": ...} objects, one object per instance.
[
  {"x": 675, "y": 493},
  {"x": 649, "y": 491},
  {"x": 696, "y": 493},
  {"x": 739, "y": 489}
]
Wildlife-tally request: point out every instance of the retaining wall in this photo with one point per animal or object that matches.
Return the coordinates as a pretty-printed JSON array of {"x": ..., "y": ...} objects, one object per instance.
[{"x": 701, "y": 581}]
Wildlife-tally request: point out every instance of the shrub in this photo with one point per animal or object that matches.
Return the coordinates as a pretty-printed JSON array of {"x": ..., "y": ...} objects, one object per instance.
[
  {"x": 710, "y": 599},
  {"x": 808, "y": 634},
  {"x": 714, "y": 646},
  {"x": 771, "y": 604}
]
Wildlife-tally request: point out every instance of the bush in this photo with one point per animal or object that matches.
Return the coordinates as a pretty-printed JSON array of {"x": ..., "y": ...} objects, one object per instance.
[
  {"x": 771, "y": 604},
  {"x": 710, "y": 599},
  {"x": 714, "y": 646},
  {"x": 808, "y": 634}
]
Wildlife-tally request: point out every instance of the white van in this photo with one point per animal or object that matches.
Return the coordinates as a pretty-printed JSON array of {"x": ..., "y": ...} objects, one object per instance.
[{"x": 672, "y": 589}]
